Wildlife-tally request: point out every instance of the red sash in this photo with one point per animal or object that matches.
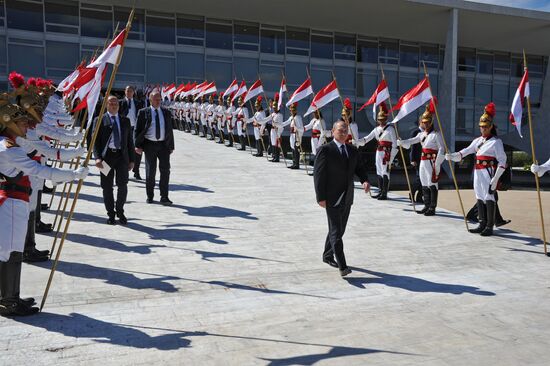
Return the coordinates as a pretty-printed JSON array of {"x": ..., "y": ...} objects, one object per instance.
[
  {"x": 315, "y": 134},
  {"x": 483, "y": 161},
  {"x": 428, "y": 154},
  {"x": 20, "y": 190}
]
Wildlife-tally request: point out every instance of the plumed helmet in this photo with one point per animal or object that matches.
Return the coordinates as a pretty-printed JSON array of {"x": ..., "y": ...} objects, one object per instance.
[
  {"x": 427, "y": 116},
  {"x": 346, "y": 111},
  {"x": 9, "y": 115},
  {"x": 382, "y": 115},
  {"x": 486, "y": 119},
  {"x": 258, "y": 103},
  {"x": 293, "y": 107}
]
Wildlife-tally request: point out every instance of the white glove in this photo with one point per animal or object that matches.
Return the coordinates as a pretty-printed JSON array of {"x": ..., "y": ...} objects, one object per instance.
[
  {"x": 68, "y": 154},
  {"x": 496, "y": 177},
  {"x": 403, "y": 143},
  {"x": 81, "y": 173},
  {"x": 538, "y": 170},
  {"x": 534, "y": 167},
  {"x": 456, "y": 156}
]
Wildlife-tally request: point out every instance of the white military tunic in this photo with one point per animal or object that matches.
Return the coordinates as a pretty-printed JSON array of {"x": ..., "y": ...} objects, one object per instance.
[
  {"x": 319, "y": 133},
  {"x": 386, "y": 149},
  {"x": 433, "y": 154}
]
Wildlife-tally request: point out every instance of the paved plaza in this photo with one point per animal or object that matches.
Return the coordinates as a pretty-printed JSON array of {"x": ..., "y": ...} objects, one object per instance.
[{"x": 231, "y": 274}]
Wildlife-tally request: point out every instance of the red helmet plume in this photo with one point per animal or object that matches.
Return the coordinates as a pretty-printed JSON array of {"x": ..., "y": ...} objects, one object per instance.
[{"x": 16, "y": 79}]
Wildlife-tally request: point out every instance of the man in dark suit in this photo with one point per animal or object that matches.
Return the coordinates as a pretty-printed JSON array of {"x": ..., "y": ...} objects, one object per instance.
[
  {"x": 335, "y": 166},
  {"x": 155, "y": 137},
  {"x": 129, "y": 107},
  {"x": 415, "y": 155},
  {"x": 114, "y": 146}
]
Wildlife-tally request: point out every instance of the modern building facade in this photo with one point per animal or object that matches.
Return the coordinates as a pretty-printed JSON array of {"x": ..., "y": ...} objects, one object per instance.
[{"x": 472, "y": 52}]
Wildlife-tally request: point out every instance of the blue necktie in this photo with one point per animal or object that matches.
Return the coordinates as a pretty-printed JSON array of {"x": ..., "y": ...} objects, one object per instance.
[
  {"x": 116, "y": 133},
  {"x": 343, "y": 150},
  {"x": 157, "y": 125}
]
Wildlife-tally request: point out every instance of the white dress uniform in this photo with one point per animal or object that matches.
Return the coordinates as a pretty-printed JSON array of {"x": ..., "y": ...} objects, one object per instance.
[
  {"x": 319, "y": 133},
  {"x": 386, "y": 148},
  {"x": 296, "y": 129},
  {"x": 229, "y": 119},
  {"x": 211, "y": 117},
  {"x": 489, "y": 156},
  {"x": 242, "y": 119},
  {"x": 433, "y": 154},
  {"x": 258, "y": 117},
  {"x": 185, "y": 111}
]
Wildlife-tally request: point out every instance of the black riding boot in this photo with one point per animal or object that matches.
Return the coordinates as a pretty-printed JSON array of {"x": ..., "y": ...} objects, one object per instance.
[
  {"x": 10, "y": 281},
  {"x": 275, "y": 154},
  {"x": 259, "y": 148},
  {"x": 380, "y": 186},
  {"x": 385, "y": 187},
  {"x": 241, "y": 140},
  {"x": 230, "y": 139},
  {"x": 488, "y": 231},
  {"x": 482, "y": 216},
  {"x": 433, "y": 201},
  {"x": 31, "y": 254},
  {"x": 426, "y": 197},
  {"x": 295, "y": 159}
]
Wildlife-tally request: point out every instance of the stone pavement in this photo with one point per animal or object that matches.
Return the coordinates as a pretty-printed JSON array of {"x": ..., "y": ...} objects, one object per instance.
[{"x": 231, "y": 274}]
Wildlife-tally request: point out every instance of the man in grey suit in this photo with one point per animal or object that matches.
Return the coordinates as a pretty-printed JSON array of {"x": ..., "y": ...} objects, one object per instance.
[
  {"x": 115, "y": 146},
  {"x": 336, "y": 164}
]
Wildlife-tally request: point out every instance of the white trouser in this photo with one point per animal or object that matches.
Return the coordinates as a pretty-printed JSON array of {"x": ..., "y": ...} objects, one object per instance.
[
  {"x": 256, "y": 133},
  {"x": 293, "y": 137},
  {"x": 425, "y": 171},
  {"x": 381, "y": 168},
  {"x": 14, "y": 217},
  {"x": 240, "y": 128},
  {"x": 314, "y": 145},
  {"x": 274, "y": 137},
  {"x": 482, "y": 183},
  {"x": 36, "y": 184}
]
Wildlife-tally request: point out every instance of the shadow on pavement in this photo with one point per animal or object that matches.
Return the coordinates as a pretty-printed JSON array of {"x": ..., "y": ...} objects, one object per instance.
[
  {"x": 215, "y": 211},
  {"x": 100, "y": 242}
]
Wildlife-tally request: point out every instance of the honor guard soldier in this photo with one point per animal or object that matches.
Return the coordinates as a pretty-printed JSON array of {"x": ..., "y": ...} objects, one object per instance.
[
  {"x": 211, "y": 116},
  {"x": 15, "y": 169},
  {"x": 490, "y": 164},
  {"x": 433, "y": 154},
  {"x": 540, "y": 169},
  {"x": 219, "y": 113},
  {"x": 203, "y": 105},
  {"x": 242, "y": 118},
  {"x": 230, "y": 121},
  {"x": 319, "y": 133},
  {"x": 187, "y": 114},
  {"x": 195, "y": 111},
  {"x": 258, "y": 121},
  {"x": 353, "y": 134},
  {"x": 386, "y": 149},
  {"x": 296, "y": 133},
  {"x": 277, "y": 129}
]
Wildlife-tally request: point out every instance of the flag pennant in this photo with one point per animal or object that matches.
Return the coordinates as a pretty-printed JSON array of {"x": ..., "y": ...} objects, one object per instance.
[
  {"x": 232, "y": 88},
  {"x": 255, "y": 90},
  {"x": 518, "y": 103},
  {"x": 302, "y": 92},
  {"x": 380, "y": 95},
  {"x": 413, "y": 99},
  {"x": 242, "y": 90},
  {"x": 282, "y": 89},
  {"x": 323, "y": 97}
]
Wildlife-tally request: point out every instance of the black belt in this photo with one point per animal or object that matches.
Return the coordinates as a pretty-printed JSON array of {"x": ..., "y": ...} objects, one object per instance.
[
  {"x": 15, "y": 188},
  {"x": 116, "y": 151},
  {"x": 155, "y": 142}
]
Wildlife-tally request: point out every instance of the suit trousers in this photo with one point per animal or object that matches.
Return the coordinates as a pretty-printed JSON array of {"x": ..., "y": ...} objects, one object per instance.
[
  {"x": 137, "y": 157},
  {"x": 337, "y": 221},
  {"x": 156, "y": 150},
  {"x": 118, "y": 174}
]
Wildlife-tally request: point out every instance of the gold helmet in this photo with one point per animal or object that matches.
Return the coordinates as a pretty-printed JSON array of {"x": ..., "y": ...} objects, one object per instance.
[
  {"x": 28, "y": 95},
  {"x": 240, "y": 101},
  {"x": 275, "y": 102},
  {"x": 211, "y": 98},
  {"x": 427, "y": 116},
  {"x": 258, "y": 103},
  {"x": 220, "y": 98},
  {"x": 294, "y": 107},
  {"x": 346, "y": 111},
  {"x": 10, "y": 114},
  {"x": 382, "y": 115},
  {"x": 486, "y": 119}
]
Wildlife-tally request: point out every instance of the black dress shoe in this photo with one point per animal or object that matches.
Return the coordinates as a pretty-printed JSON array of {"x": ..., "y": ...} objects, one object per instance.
[
  {"x": 137, "y": 176},
  {"x": 43, "y": 228},
  {"x": 16, "y": 308},
  {"x": 502, "y": 223},
  {"x": 149, "y": 200},
  {"x": 344, "y": 272},
  {"x": 331, "y": 262},
  {"x": 34, "y": 255},
  {"x": 44, "y": 206},
  {"x": 122, "y": 219},
  {"x": 111, "y": 220},
  {"x": 47, "y": 190},
  {"x": 29, "y": 301},
  {"x": 165, "y": 202},
  {"x": 294, "y": 167}
]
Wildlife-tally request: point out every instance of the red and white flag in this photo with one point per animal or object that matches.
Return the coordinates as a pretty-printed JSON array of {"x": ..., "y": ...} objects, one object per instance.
[
  {"x": 66, "y": 83},
  {"x": 208, "y": 89},
  {"x": 198, "y": 88},
  {"x": 519, "y": 102},
  {"x": 183, "y": 87},
  {"x": 413, "y": 99},
  {"x": 380, "y": 94},
  {"x": 242, "y": 89},
  {"x": 188, "y": 90},
  {"x": 282, "y": 89},
  {"x": 168, "y": 90},
  {"x": 232, "y": 88},
  {"x": 303, "y": 91},
  {"x": 110, "y": 55},
  {"x": 255, "y": 89},
  {"x": 324, "y": 97}
]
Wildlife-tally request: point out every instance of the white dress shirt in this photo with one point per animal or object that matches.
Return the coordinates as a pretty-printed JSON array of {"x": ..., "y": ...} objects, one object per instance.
[
  {"x": 117, "y": 125},
  {"x": 151, "y": 131}
]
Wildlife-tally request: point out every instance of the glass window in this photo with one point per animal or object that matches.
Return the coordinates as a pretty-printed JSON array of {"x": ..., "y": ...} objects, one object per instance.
[
  {"x": 465, "y": 89},
  {"x": 296, "y": 73},
  {"x": 344, "y": 46},
  {"x": 500, "y": 92},
  {"x": 96, "y": 23},
  {"x": 272, "y": 41},
  {"x": 389, "y": 52},
  {"x": 466, "y": 59},
  {"x": 485, "y": 63},
  {"x": 190, "y": 30},
  {"x": 408, "y": 56},
  {"x": 220, "y": 72},
  {"x": 247, "y": 67},
  {"x": 321, "y": 46},
  {"x": 25, "y": 15},
  {"x": 407, "y": 81},
  {"x": 320, "y": 78},
  {"x": 219, "y": 36},
  {"x": 160, "y": 69},
  {"x": 62, "y": 55},
  {"x": 368, "y": 51},
  {"x": 271, "y": 77},
  {"x": 3, "y": 54},
  {"x": 502, "y": 64},
  {"x": 535, "y": 66},
  {"x": 246, "y": 36},
  {"x": 27, "y": 60},
  {"x": 345, "y": 77},
  {"x": 430, "y": 55},
  {"x": 161, "y": 30},
  {"x": 191, "y": 65},
  {"x": 297, "y": 41},
  {"x": 137, "y": 31},
  {"x": 464, "y": 120},
  {"x": 133, "y": 61},
  {"x": 61, "y": 12},
  {"x": 483, "y": 91},
  {"x": 366, "y": 84}
]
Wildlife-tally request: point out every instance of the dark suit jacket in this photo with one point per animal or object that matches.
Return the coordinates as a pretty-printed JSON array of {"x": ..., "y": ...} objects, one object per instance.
[
  {"x": 125, "y": 107},
  {"x": 334, "y": 174},
  {"x": 144, "y": 120},
  {"x": 104, "y": 134}
]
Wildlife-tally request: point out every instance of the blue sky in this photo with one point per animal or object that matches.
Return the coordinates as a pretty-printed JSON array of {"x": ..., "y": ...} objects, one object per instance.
[{"x": 543, "y": 5}]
